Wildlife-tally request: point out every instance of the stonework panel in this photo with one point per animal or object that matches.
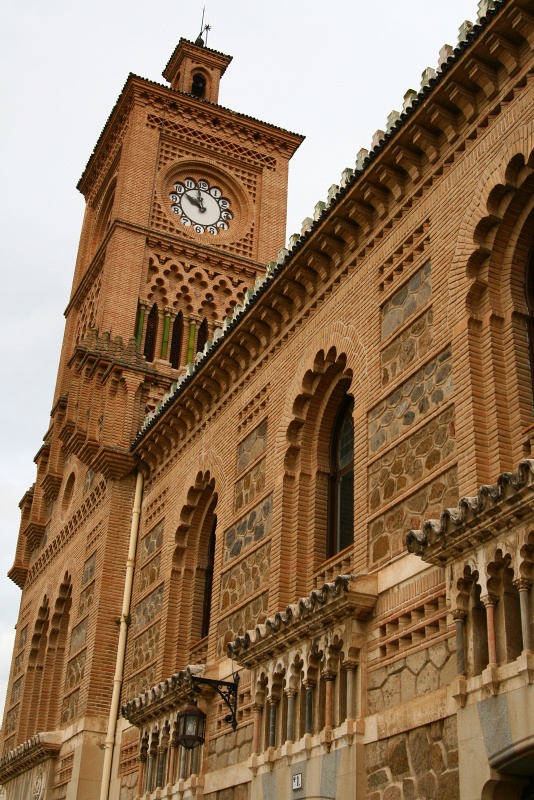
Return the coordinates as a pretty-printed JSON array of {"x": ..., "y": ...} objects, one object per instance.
[
  {"x": 249, "y": 575},
  {"x": 417, "y": 455},
  {"x": 387, "y": 532},
  {"x": 89, "y": 569},
  {"x": 23, "y": 637},
  {"x": 78, "y": 636},
  {"x": 252, "y": 447},
  {"x": 139, "y": 683},
  {"x": 406, "y": 406},
  {"x": 147, "y": 609},
  {"x": 242, "y": 620},
  {"x": 250, "y": 486},
  {"x": 149, "y": 574},
  {"x": 16, "y": 691},
  {"x": 11, "y": 720},
  {"x": 407, "y": 300},
  {"x": 75, "y": 671},
  {"x": 86, "y": 599},
  {"x": 151, "y": 542},
  {"x": 128, "y": 790},
  {"x": 223, "y": 751},
  {"x": 411, "y": 345},
  {"x": 17, "y": 664},
  {"x": 69, "y": 709},
  {"x": 145, "y": 647},
  {"x": 249, "y": 530},
  {"x": 421, "y": 763}
]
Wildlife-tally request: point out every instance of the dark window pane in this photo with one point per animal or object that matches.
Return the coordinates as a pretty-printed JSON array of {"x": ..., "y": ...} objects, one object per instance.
[{"x": 345, "y": 533}]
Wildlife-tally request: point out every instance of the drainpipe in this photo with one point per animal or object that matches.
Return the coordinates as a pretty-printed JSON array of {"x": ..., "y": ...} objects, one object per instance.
[{"x": 121, "y": 649}]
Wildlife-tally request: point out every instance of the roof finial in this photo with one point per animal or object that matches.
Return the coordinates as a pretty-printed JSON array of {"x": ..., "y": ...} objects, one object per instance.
[{"x": 203, "y": 29}]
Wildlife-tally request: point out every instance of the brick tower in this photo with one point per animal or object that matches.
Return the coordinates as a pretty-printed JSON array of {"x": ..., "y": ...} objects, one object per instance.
[{"x": 185, "y": 204}]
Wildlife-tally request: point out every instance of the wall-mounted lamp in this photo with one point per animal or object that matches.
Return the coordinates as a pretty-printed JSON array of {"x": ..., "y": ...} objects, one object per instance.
[{"x": 192, "y": 720}]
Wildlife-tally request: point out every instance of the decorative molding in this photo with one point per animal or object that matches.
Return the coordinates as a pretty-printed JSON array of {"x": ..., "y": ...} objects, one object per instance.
[{"x": 28, "y": 754}]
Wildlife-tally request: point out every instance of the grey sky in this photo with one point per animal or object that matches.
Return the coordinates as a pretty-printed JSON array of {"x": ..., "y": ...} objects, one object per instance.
[{"x": 329, "y": 70}]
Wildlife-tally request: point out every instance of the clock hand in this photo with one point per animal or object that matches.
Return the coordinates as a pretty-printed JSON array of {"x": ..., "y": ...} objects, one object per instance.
[
  {"x": 201, "y": 206},
  {"x": 194, "y": 201}
]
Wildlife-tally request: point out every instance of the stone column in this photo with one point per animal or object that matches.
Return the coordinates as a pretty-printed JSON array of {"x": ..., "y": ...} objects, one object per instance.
[
  {"x": 523, "y": 586},
  {"x": 183, "y": 763},
  {"x": 309, "y": 705},
  {"x": 150, "y": 772},
  {"x": 172, "y": 761},
  {"x": 350, "y": 667},
  {"x": 273, "y": 704},
  {"x": 141, "y": 775},
  {"x": 328, "y": 677},
  {"x": 459, "y": 616},
  {"x": 290, "y": 729},
  {"x": 143, "y": 306},
  {"x": 160, "y": 772},
  {"x": 195, "y": 756},
  {"x": 490, "y": 601},
  {"x": 256, "y": 710},
  {"x": 167, "y": 319}
]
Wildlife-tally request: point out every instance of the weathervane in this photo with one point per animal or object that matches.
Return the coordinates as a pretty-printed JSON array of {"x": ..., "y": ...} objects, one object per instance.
[{"x": 203, "y": 29}]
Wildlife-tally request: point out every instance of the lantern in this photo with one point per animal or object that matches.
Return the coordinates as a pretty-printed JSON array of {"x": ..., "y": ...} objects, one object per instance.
[{"x": 191, "y": 726}]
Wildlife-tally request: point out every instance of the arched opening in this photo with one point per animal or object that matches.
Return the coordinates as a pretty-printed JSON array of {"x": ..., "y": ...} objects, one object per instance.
[
  {"x": 198, "y": 85},
  {"x": 341, "y": 499},
  {"x": 151, "y": 333},
  {"x": 202, "y": 337},
  {"x": 176, "y": 340},
  {"x": 529, "y": 296}
]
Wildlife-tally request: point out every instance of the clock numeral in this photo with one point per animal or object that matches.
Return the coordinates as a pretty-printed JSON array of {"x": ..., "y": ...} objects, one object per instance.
[
  {"x": 176, "y": 209},
  {"x": 178, "y": 188},
  {"x": 215, "y": 192},
  {"x": 222, "y": 225},
  {"x": 224, "y": 203},
  {"x": 189, "y": 184},
  {"x": 226, "y": 215},
  {"x": 212, "y": 229},
  {"x": 199, "y": 228},
  {"x": 175, "y": 197},
  {"x": 185, "y": 221},
  {"x": 203, "y": 185}
]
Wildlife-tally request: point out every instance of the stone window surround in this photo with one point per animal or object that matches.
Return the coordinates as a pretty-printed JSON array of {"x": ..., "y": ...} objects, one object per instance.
[{"x": 431, "y": 475}]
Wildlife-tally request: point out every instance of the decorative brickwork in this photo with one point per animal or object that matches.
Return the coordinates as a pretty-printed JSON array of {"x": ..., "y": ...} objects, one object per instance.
[
  {"x": 422, "y": 763},
  {"x": 78, "y": 636},
  {"x": 412, "y": 344},
  {"x": 250, "y": 485},
  {"x": 405, "y": 302},
  {"x": 129, "y": 758},
  {"x": 249, "y": 575},
  {"x": 427, "y": 390},
  {"x": 386, "y": 532},
  {"x": 240, "y": 621},
  {"x": 249, "y": 530},
  {"x": 251, "y": 447},
  {"x": 75, "y": 671},
  {"x": 149, "y": 574},
  {"x": 145, "y": 647},
  {"x": 411, "y": 460},
  {"x": 147, "y": 610}
]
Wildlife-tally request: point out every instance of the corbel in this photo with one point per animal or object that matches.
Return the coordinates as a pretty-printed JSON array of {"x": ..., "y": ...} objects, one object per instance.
[
  {"x": 427, "y": 141},
  {"x": 446, "y": 120},
  {"x": 506, "y": 52},
  {"x": 485, "y": 76}
]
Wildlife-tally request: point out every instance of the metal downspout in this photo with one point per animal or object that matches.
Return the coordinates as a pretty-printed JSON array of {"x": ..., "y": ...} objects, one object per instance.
[{"x": 121, "y": 648}]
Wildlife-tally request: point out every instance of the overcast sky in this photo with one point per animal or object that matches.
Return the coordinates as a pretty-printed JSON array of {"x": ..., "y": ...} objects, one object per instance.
[{"x": 329, "y": 70}]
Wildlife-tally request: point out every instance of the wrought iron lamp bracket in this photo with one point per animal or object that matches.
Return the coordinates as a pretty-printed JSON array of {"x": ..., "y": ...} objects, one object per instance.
[{"x": 227, "y": 691}]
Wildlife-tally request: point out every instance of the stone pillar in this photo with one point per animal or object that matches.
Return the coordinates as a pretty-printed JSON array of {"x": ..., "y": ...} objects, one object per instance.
[
  {"x": 290, "y": 729},
  {"x": 141, "y": 775},
  {"x": 350, "y": 667},
  {"x": 273, "y": 704},
  {"x": 183, "y": 763},
  {"x": 490, "y": 601},
  {"x": 172, "y": 762},
  {"x": 143, "y": 306},
  {"x": 195, "y": 757},
  {"x": 167, "y": 319},
  {"x": 256, "y": 710},
  {"x": 458, "y": 616},
  {"x": 160, "y": 772},
  {"x": 523, "y": 586},
  {"x": 329, "y": 677},
  {"x": 150, "y": 772},
  {"x": 309, "y": 705}
]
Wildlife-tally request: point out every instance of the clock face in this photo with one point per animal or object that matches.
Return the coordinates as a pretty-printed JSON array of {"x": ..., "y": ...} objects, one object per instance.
[{"x": 201, "y": 205}]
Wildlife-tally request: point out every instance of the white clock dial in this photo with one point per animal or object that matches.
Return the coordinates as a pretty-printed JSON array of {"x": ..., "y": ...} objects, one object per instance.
[{"x": 201, "y": 206}]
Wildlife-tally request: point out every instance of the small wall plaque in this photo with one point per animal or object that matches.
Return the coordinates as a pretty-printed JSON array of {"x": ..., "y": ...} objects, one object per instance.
[{"x": 297, "y": 781}]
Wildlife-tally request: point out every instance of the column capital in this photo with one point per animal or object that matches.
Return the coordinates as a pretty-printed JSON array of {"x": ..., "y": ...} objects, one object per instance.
[
  {"x": 309, "y": 683},
  {"x": 169, "y": 311},
  {"x": 290, "y": 692},
  {"x": 490, "y": 599},
  {"x": 256, "y": 708},
  {"x": 328, "y": 674},
  {"x": 144, "y": 304},
  {"x": 522, "y": 584},
  {"x": 349, "y": 664},
  {"x": 458, "y": 614},
  {"x": 273, "y": 700}
]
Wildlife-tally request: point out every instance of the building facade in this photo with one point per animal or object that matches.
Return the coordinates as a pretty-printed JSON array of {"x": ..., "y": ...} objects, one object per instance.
[{"x": 314, "y": 472}]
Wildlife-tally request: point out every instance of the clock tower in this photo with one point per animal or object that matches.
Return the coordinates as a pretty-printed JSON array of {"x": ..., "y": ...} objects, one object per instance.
[{"x": 185, "y": 205}]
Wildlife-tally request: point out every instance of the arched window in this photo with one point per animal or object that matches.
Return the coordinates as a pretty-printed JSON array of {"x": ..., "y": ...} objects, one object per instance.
[
  {"x": 198, "y": 85},
  {"x": 202, "y": 337},
  {"x": 341, "y": 494},
  {"x": 208, "y": 581},
  {"x": 151, "y": 333},
  {"x": 176, "y": 340}
]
